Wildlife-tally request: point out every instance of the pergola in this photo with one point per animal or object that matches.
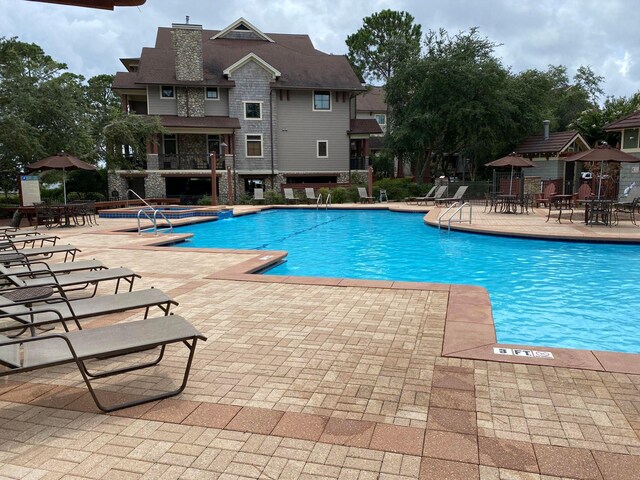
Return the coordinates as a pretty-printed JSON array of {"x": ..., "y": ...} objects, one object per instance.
[{"x": 102, "y": 4}]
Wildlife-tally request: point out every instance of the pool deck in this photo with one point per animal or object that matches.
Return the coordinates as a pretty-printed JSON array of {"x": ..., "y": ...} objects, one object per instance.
[{"x": 329, "y": 378}]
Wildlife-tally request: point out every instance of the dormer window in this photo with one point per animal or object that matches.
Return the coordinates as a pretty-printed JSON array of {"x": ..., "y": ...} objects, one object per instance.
[
  {"x": 167, "y": 91},
  {"x": 211, "y": 93}
]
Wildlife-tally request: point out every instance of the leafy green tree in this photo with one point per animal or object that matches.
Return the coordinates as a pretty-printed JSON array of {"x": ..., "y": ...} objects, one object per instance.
[
  {"x": 127, "y": 137},
  {"x": 590, "y": 122},
  {"x": 105, "y": 107},
  {"x": 43, "y": 109},
  {"x": 386, "y": 40},
  {"x": 455, "y": 98}
]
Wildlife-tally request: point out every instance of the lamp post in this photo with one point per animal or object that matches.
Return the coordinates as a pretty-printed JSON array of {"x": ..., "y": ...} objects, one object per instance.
[{"x": 213, "y": 158}]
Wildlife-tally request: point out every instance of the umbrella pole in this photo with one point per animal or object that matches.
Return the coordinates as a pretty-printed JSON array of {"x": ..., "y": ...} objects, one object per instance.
[
  {"x": 600, "y": 180},
  {"x": 64, "y": 185},
  {"x": 511, "y": 180}
]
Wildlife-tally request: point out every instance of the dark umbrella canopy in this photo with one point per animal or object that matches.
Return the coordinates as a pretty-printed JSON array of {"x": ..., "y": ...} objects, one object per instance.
[
  {"x": 603, "y": 154},
  {"x": 512, "y": 161},
  {"x": 62, "y": 161}
]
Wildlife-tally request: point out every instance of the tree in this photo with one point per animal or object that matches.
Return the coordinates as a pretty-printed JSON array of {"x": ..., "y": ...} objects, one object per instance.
[
  {"x": 127, "y": 137},
  {"x": 386, "y": 40},
  {"x": 105, "y": 107},
  {"x": 452, "y": 99},
  {"x": 590, "y": 122},
  {"x": 43, "y": 108}
]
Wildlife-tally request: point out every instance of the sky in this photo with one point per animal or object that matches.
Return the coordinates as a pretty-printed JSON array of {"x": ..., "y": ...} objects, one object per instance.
[{"x": 531, "y": 33}]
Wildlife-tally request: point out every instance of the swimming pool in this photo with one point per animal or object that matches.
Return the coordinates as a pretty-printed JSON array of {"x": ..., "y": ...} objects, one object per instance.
[{"x": 543, "y": 293}]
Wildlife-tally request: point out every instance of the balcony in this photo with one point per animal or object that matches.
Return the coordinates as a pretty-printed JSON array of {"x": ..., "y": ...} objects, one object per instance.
[
  {"x": 189, "y": 161},
  {"x": 358, "y": 163}
]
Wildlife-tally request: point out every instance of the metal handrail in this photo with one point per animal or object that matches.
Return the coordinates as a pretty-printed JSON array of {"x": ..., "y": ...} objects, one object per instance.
[
  {"x": 153, "y": 220},
  {"x": 458, "y": 210},
  {"x": 327, "y": 204},
  {"x": 318, "y": 201}
]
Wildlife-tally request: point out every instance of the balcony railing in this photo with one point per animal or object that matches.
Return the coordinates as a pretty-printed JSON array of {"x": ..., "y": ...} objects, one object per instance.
[
  {"x": 358, "y": 163},
  {"x": 189, "y": 161}
]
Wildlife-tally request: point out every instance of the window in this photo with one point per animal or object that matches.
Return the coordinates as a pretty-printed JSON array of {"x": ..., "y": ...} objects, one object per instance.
[
  {"x": 630, "y": 138},
  {"x": 211, "y": 93},
  {"x": 170, "y": 144},
  {"x": 322, "y": 149},
  {"x": 381, "y": 119},
  {"x": 252, "y": 110},
  {"x": 322, "y": 100},
  {"x": 254, "y": 145},
  {"x": 167, "y": 91}
]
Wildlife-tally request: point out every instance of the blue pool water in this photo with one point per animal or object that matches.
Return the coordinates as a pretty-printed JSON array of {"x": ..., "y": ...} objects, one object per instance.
[{"x": 543, "y": 293}]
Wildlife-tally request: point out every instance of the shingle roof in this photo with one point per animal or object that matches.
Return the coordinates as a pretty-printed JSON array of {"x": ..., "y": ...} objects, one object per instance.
[
  {"x": 199, "y": 122},
  {"x": 630, "y": 121},
  {"x": 364, "y": 125},
  {"x": 552, "y": 146},
  {"x": 301, "y": 65},
  {"x": 371, "y": 101},
  {"x": 126, "y": 80}
]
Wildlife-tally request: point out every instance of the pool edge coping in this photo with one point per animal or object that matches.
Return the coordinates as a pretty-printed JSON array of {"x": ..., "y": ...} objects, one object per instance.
[{"x": 469, "y": 328}]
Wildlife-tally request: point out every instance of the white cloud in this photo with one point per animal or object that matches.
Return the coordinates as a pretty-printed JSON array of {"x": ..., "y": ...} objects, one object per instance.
[{"x": 532, "y": 34}]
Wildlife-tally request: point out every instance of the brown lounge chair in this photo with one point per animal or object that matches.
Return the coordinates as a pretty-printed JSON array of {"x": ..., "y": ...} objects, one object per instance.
[
  {"x": 72, "y": 281},
  {"x": 104, "y": 343},
  {"x": 40, "y": 306},
  {"x": 25, "y": 266}
]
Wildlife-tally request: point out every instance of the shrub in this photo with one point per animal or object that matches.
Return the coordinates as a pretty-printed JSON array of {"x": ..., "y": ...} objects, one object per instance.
[
  {"x": 272, "y": 197},
  {"x": 338, "y": 195},
  {"x": 204, "y": 200},
  {"x": 352, "y": 195},
  {"x": 400, "y": 188}
]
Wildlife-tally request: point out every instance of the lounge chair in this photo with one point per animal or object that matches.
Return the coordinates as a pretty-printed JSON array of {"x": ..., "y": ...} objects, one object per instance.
[
  {"x": 364, "y": 196},
  {"x": 417, "y": 199},
  {"x": 25, "y": 266},
  {"x": 310, "y": 194},
  {"x": 29, "y": 237},
  {"x": 289, "y": 196},
  {"x": 258, "y": 195},
  {"x": 104, "y": 343},
  {"x": 438, "y": 194},
  {"x": 456, "y": 196},
  {"x": 72, "y": 281},
  {"x": 26, "y": 312},
  {"x": 8, "y": 249}
]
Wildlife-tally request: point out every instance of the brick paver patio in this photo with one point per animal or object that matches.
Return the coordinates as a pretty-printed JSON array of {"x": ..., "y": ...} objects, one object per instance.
[{"x": 304, "y": 378}]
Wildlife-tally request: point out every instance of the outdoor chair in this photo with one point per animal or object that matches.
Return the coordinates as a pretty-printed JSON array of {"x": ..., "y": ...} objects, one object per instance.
[
  {"x": 584, "y": 192},
  {"x": 364, "y": 196},
  {"x": 310, "y": 194},
  {"x": 31, "y": 239},
  {"x": 416, "y": 200},
  {"x": 8, "y": 248},
  {"x": 258, "y": 195},
  {"x": 23, "y": 265},
  {"x": 83, "y": 211},
  {"x": 543, "y": 199},
  {"x": 438, "y": 194},
  {"x": 456, "y": 197},
  {"x": 289, "y": 196},
  {"x": 72, "y": 281},
  {"x": 113, "y": 342},
  {"x": 28, "y": 308},
  {"x": 626, "y": 208},
  {"x": 46, "y": 216}
]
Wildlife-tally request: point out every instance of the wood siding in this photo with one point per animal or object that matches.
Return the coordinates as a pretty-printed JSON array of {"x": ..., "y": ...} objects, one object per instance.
[
  {"x": 160, "y": 106},
  {"x": 220, "y": 107},
  {"x": 299, "y": 129}
]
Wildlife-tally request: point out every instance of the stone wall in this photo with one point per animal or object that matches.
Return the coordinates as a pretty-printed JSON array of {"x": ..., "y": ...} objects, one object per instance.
[
  {"x": 190, "y": 101},
  {"x": 117, "y": 183},
  {"x": 155, "y": 185},
  {"x": 187, "y": 43},
  {"x": 153, "y": 163},
  {"x": 192, "y": 144}
]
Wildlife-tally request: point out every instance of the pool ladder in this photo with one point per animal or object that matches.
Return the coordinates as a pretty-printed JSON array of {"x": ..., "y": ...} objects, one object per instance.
[
  {"x": 144, "y": 211},
  {"x": 458, "y": 211},
  {"x": 327, "y": 203}
]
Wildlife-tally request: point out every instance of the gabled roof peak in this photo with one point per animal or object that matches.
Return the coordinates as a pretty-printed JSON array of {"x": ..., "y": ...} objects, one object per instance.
[{"x": 242, "y": 25}]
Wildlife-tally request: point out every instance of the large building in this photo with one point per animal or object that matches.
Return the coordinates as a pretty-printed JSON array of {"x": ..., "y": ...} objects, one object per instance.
[{"x": 271, "y": 108}]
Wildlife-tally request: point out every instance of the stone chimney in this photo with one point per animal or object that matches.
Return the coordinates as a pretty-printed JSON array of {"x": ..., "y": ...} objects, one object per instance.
[
  {"x": 546, "y": 123},
  {"x": 187, "y": 43}
]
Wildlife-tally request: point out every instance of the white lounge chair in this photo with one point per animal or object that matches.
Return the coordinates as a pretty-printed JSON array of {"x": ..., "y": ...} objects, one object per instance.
[
  {"x": 310, "y": 194},
  {"x": 258, "y": 195},
  {"x": 289, "y": 196},
  {"x": 364, "y": 196}
]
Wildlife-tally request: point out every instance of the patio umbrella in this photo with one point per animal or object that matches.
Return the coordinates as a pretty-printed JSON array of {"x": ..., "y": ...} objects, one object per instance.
[
  {"x": 511, "y": 160},
  {"x": 62, "y": 161},
  {"x": 603, "y": 154}
]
